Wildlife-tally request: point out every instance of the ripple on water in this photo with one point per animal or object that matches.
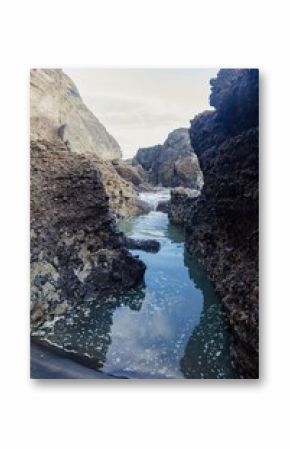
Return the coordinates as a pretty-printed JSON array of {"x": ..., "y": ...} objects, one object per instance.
[{"x": 171, "y": 327}]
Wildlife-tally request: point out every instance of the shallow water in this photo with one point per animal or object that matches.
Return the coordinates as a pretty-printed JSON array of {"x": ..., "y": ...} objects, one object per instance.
[{"x": 172, "y": 326}]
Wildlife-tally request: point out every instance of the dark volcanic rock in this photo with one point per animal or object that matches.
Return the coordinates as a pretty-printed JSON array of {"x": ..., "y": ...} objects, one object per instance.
[
  {"x": 143, "y": 207},
  {"x": 180, "y": 204},
  {"x": 58, "y": 115},
  {"x": 135, "y": 175},
  {"x": 151, "y": 246},
  {"x": 163, "y": 206},
  {"x": 76, "y": 250},
  {"x": 222, "y": 223},
  {"x": 172, "y": 164}
]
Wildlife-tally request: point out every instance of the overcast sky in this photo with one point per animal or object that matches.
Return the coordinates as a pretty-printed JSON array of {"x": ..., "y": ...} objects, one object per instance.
[{"x": 139, "y": 107}]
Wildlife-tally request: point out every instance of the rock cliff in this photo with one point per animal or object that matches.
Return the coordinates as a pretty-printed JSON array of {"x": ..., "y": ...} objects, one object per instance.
[
  {"x": 59, "y": 116},
  {"x": 222, "y": 223},
  {"x": 172, "y": 164},
  {"x": 58, "y": 112},
  {"x": 77, "y": 252}
]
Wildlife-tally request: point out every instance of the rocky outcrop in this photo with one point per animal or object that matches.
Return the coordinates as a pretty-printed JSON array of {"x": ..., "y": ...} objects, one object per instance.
[
  {"x": 131, "y": 174},
  {"x": 163, "y": 206},
  {"x": 222, "y": 223},
  {"x": 58, "y": 112},
  {"x": 172, "y": 164},
  {"x": 150, "y": 246},
  {"x": 123, "y": 195},
  {"x": 58, "y": 115},
  {"x": 180, "y": 204},
  {"x": 77, "y": 253}
]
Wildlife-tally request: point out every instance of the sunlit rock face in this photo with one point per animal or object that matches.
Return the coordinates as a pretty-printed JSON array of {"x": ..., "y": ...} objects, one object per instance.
[
  {"x": 172, "y": 164},
  {"x": 222, "y": 223},
  {"x": 57, "y": 111},
  {"x": 77, "y": 252}
]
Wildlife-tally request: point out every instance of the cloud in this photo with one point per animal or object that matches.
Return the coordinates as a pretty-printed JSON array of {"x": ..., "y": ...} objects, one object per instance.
[{"x": 139, "y": 107}]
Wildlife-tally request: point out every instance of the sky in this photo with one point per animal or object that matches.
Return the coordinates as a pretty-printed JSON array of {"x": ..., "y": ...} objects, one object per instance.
[{"x": 140, "y": 107}]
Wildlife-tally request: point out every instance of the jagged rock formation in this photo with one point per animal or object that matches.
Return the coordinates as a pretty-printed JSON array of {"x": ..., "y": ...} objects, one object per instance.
[
  {"x": 151, "y": 246},
  {"x": 77, "y": 252},
  {"x": 134, "y": 175},
  {"x": 59, "y": 116},
  {"x": 58, "y": 112},
  {"x": 180, "y": 204},
  {"x": 123, "y": 195},
  {"x": 222, "y": 223},
  {"x": 172, "y": 164}
]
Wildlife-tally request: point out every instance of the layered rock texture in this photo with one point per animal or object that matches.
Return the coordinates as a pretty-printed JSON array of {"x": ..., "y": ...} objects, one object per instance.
[
  {"x": 57, "y": 111},
  {"x": 133, "y": 174},
  {"x": 122, "y": 193},
  {"x": 58, "y": 115},
  {"x": 172, "y": 164},
  {"x": 181, "y": 201},
  {"x": 222, "y": 223},
  {"x": 77, "y": 252}
]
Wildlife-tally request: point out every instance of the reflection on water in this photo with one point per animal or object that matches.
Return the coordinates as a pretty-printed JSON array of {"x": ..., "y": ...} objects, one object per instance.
[
  {"x": 172, "y": 326},
  {"x": 207, "y": 352}
]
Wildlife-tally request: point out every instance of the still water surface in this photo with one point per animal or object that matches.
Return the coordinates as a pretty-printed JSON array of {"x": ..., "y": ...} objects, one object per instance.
[{"x": 172, "y": 326}]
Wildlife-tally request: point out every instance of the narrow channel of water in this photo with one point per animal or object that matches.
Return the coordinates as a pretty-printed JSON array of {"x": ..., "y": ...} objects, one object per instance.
[{"x": 172, "y": 326}]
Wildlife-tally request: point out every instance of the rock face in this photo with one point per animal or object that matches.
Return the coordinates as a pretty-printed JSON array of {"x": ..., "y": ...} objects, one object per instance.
[
  {"x": 131, "y": 174},
  {"x": 151, "y": 246},
  {"x": 58, "y": 112},
  {"x": 222, "y": 223},
  {"x": 59, "y": 116},
  {"x": 172, "y": 164},
  {"x": 77, "y": 252},
  {"x": 123, "y": 195},
  {"x": 163, "y": 206},
  {"x": 180, "y": 204}
]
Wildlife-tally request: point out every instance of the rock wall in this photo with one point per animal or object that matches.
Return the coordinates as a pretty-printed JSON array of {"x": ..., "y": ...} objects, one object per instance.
[
  {"x": 58, "y": 115},
  {"x": 172, "y": 164},
  {"x": 122, "y": 193},
  {"x": 76, "y": 250},
  {"x": 180, "y": 204},
  {"x": 58, "y": 112},
  {"x": 222, "y": 223}
]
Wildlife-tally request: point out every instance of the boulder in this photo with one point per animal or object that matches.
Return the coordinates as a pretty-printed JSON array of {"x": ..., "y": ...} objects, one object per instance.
[
  {"x": 151, "y": 246},
  {"x": 172, "y": 164},
  {"x": 128, "y": 172},
  {"x": 163, "y": 206}
]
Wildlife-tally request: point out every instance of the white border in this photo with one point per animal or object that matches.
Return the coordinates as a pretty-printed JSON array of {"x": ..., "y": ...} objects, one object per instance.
[{"x": 145, "y": 34}]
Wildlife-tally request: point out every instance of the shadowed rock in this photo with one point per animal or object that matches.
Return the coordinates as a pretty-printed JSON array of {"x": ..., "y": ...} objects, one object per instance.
[
  {"x": 76, "y": 249},
  {"x": 163, "y": 206},
  {"x": 151, "y": 246},
  {"x": 222, "y": 223},
  {"x": 172, "y": 164}
]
